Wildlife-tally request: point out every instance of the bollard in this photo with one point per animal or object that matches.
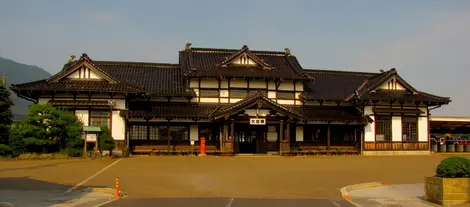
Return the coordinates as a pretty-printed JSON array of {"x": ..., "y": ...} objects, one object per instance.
[{"x": 117, "y": 195}]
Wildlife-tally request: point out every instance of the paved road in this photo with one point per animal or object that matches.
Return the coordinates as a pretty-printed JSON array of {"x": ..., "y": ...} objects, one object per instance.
[{"x": 229, "y": 202}]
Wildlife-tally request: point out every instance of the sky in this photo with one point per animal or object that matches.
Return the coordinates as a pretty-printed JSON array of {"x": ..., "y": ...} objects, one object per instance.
[{"x": 427, "y": 41}]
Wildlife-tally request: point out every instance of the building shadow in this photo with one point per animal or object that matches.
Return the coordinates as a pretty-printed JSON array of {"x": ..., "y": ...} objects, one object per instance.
[
  {"x": 24, "y": 191},
  {"x": 37, "y": 166}
]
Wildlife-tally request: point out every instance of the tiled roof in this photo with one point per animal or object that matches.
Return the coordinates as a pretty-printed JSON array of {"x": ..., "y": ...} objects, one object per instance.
[
  {"x": 346, "y": 114},
  {"x": 156, "y": 78},
  {"x": 78, "y": 85},
  {"x": 201, "y": 111},
  {"x": 385, "y": 95},
  {"x": 333, "y": 85},
  {"x": 78, "y": 103},
  {"x": 206, "y": 62}
]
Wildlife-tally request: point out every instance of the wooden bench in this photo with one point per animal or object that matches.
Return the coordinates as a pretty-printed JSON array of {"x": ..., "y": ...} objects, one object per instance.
[
  {"x": 144, "y": 149},
  {"x": 209, "y": 148}
]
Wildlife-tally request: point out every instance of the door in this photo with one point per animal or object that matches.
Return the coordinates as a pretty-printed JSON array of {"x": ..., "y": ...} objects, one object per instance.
[{"x": 250, "y": 139}]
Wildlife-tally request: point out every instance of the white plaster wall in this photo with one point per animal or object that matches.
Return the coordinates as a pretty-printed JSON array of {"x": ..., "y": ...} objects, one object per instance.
[
  {"x": 93, "y": 75},
  {"x": 286, "y": 102},
  {"x": 425, "y": 110},
  {"x": 193, "y": 83},
  {"x": 258, "y": 84},
  {"x": 209, "y": 83},
  {"x": 224, "y": 84},
  {"x": 194, "y": 100},
  {"x": 209, "y": 100},
  {"x": 423, "y": 132},
  {"x": 286, "y": 85},
  {"x": 298, "y": 102},
  {"x": 235, "y": 100},
  {"x": 196, "y": 91},
  {"x": 223, "y": 93},
  {"x": 238, "y": 83},
  {"x": 299, "y": 86},
  {"x": 271, "y": 94},
  {"x": 297, "y": 95},
  {"x": 396, "y": 129},
  {"x": 82, "y": 115},
  {"x": 271, "y": 85},
  {"x": 369, "y": 130},
  {"x": 120, "y": 103},
  {"x": 74, "y": 75},
  {"x": 385, "y": 85},
  {"x": 299, "y": 133},
  {"x": 43, "y": 100},
  {"x": 193, "y": 132},
  {"x": 118, "y": 132},
  {"x": 239, "y": 62},
  {"x": 224, "y": 100}
]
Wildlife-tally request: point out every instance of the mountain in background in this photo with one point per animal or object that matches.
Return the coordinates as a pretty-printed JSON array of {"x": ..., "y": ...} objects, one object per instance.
[{"x": 20, "y": 73}]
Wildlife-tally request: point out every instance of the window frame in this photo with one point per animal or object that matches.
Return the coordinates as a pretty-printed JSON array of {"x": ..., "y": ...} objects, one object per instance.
[
  {"x": 386, "y": 127},
  {"x": 409, "y": 124},
  {"x": 106, "y": 116}
]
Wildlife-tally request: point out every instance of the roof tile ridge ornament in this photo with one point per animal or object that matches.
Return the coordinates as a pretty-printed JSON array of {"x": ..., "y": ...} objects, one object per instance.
[
  {"x": 288, "y": 52},
  {"x": 187, "y": 47}
]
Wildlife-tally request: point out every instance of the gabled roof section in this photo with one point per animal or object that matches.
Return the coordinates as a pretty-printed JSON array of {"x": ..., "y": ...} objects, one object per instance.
[
  {"x": 256, "y": 99},
  {"x": 208, "y": 62},
  {"x": 84, "y": 61},
  {"x": 245, "y": 54},
  {"x": 373, "y": 83}
]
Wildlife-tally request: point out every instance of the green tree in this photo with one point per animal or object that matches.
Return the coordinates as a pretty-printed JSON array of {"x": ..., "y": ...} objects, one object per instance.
[
  {"x": 106, "y": 140},
  {"x": 5, "y": 119},
  {"x": 47, "y": 129}
]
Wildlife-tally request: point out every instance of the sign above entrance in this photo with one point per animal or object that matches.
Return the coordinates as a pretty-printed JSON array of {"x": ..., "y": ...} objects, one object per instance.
[{"x": 256, "y": 121}]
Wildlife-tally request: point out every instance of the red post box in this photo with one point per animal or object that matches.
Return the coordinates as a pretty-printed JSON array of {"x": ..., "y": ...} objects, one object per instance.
[{"x": 202, "y": 146}]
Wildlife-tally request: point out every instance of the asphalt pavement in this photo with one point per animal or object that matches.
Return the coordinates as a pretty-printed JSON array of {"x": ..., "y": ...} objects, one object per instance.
[{"x": 229, "y": 202}]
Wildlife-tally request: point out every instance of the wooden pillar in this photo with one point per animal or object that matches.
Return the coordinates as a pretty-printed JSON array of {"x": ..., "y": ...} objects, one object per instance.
[
  {"x": 221, "y": 137},
  {"x": 362, "y": 140},
  {"x": 169, "y": 136},
  {"x": 287, "y": 143},
  {"x": 328, "y": 144},
  {"x": 232, "y": 136},
  {"x": 281, "y": 136}
]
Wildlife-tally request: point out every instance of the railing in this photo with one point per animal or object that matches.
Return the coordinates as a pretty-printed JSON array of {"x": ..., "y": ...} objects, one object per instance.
[{"x": 395, "y": 146}]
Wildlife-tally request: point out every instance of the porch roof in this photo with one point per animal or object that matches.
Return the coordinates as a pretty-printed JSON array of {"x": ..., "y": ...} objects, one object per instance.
[
  {"x": 175, "y": 111},
  {"x": 343, "y": 114}
]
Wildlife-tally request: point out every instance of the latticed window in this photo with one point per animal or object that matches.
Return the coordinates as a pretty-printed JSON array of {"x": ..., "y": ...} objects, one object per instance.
[
  {"x": 383, "y": 128},
  {"x": 410, "y": 128},
  {"x": 253, "y": 91},
  {"x": 285, "y": 95},
  {"x": 99, "y": 118},
  {"x": 209, "y": 93},
  {"x": 238, "y": 93},
  {"x": 138, "y": 132},
  {"x": 158, "y": 132},
  {"x": 179, "y": 132}
]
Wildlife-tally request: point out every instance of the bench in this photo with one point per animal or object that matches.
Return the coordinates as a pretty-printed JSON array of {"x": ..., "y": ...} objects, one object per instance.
[{"x": 144, "y": 149}]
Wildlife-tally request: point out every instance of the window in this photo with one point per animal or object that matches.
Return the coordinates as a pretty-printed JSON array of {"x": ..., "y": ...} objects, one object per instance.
[
  {"x": 138, "y": 132},
  {"x": 285, "y": 95},
  {"x": 238, "y": 93},
  {"x": 179, "y": 132},
  {"x": 99, "y": 118},
  {"x": 315, "y": 133},
  {"x": 410, "y": 128},
  {"x": 158, "y": 132},
  {"x": 210, "y": 132},
  {"x": 383, "y": 126},
  {"x": 209, "y": 93},
  {"x": 253, "y": 91}
]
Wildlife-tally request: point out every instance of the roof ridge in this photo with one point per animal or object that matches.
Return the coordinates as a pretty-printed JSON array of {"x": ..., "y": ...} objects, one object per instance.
[
  {"x": 104, "y": 62},
  {"x": 219, "y": 50},
  {"x": 356, "y": 73}
]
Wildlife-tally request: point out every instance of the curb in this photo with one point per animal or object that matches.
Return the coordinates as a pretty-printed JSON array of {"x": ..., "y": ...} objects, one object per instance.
[
  {"x": 345, "y": 190},
  {"x": 110, "y": 191}
]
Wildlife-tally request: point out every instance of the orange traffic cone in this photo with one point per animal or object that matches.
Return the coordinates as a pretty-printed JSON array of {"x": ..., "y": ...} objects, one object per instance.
[{"x": 117, "y": 195}]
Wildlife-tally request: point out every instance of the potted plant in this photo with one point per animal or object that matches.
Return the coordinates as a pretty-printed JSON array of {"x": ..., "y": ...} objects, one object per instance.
[{"x": 450, "y": 186}]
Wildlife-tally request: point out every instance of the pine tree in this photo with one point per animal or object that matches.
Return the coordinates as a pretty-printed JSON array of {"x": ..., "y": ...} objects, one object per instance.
[{"x": 5, "y": 113}]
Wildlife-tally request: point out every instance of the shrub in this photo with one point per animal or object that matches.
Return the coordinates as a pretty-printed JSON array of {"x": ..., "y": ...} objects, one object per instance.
[
  {"x": 5, "y": 151},
  {"x": 454, "y": 167},
  {"x": 106, "y": 141}
]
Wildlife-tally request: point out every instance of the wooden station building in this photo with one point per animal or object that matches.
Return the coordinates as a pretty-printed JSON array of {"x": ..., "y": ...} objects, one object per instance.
[{"x": 241, "y": 101}]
